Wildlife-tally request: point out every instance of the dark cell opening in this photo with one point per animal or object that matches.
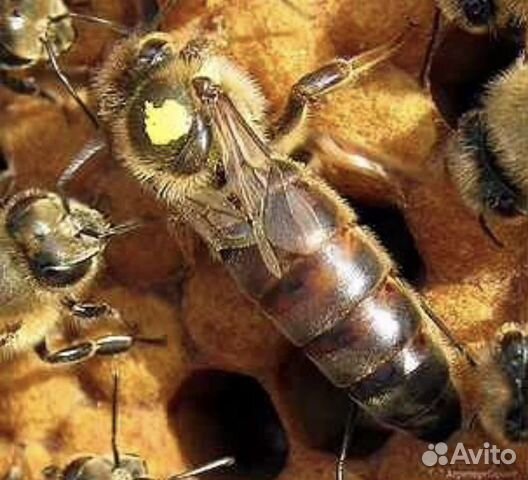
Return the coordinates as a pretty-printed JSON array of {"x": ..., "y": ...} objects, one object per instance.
[
  {"x": 464, "y": 63},
  {"x": 390, "y": 227},
  {"x": 217, "y": 413},
  {"x": 321, "y": 409}
]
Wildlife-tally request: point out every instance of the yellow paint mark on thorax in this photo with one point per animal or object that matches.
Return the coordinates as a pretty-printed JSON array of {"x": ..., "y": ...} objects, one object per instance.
[{"x": 166, "y": 123}]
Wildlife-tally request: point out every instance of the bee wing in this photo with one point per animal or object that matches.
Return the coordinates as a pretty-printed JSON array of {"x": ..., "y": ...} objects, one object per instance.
[
  {"x": 245, "y": 157},
  {"x": 272, "y": 198},
  {"x": 247, "y": 162},
  {"x": 290, "y": 221},
  {"x": 266, "y": 250},
  {"x": 217, "y": 221}
]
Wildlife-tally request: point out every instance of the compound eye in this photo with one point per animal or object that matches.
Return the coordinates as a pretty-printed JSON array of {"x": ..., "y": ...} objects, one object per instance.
[
  {"x": 478, "y": 12},
  {"x": 58, "y": 274},
  {"x": 153, "y": 52}
]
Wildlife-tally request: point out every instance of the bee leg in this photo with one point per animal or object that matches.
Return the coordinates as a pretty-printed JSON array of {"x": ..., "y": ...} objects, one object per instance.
[
  {"x": 489, "y": 232},
  {"x": 92, "y": 312},
  {"x": 432, "y": 46},
  {"x": 83, "y": 157},
  {"x": 66, "y": 83},
  {"x": 213, "y": 466},
  {"x": 347, "y": 439},
  {"x": 315, "y": 84},
  {"x": 370, "y": 167},
  {"x": 108, "y": 345},
  {"x": 24, "y": 87},
  {"x": 447, "y": 333}
]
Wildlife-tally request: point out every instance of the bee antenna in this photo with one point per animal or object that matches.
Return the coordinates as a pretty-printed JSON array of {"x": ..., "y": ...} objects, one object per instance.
[
  {"x": 115, "y": 412},
  {"x": 155, "y": 22},
  {"x": 121, "y": 229},
  {"x": 90, "y": 150},
  {"x": 347, "y": 439},
  {"x": 65, "y": 203},
  {"x": 66, "y": 83},
  {"x": 432, "y": 45},
  {"x": 223, "y": 462},
  {"x": 489, "y": 232},
  {"x": 115, "y": 27}
]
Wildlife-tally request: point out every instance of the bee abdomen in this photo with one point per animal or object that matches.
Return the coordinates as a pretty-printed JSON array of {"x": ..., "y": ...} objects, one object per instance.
[
  {"x": 371, "y": 335},
  {"x": 413, "y": 391},
  {"x": 319, "y": 291},
  {"x": 361, "y": 326},
  {"x": 388, "y": 362}
]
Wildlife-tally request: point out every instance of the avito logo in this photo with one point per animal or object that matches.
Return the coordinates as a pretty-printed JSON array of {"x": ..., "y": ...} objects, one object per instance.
[{"x": 488, "y": 455}]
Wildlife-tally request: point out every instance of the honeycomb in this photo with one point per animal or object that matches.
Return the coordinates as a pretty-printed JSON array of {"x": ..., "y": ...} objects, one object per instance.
[{"x": 227, "y": 382}]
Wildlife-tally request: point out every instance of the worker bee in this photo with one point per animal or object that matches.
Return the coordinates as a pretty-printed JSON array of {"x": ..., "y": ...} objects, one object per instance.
[
  {"x": 121, "y": 466},
  {"x": 189, "y": 125},
  {"x": 34, "y": 32},
  {"x": 488, "y": 157},
  {"x": 504, "y": 409},
  {"x": 481, "y": 99},
  {"x": 50, "y": 253}
]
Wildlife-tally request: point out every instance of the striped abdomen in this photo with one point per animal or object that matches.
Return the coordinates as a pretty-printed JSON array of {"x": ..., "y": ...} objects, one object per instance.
[{"x": 365, "y": 330}]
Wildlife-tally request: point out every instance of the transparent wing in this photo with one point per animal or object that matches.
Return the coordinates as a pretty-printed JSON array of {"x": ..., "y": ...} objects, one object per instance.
[
  {"x": 290, "y": 221},
  {"x": 275, "y": 205},
  {"x": 217, "y": 221},
  {"x": 246, "y": 163}
]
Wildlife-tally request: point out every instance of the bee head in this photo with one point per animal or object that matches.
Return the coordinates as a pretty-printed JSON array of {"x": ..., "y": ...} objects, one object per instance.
[
  {"x": 61, "y": 242},
  {"x": 26, "y": 22},
  {"x": 143, "y": 92},
  {"x": 512, "y": 356},
  {"x": 102, "y": 468}
]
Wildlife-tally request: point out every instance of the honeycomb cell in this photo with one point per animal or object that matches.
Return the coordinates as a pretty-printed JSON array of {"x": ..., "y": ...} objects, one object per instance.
[{"x": 216, "y": 413}]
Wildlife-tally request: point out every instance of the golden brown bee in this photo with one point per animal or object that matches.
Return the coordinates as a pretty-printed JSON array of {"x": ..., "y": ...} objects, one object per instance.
[
  {"x": 190, "y": 126},
  {"x": 504, "y": 409},
  {"x": 50, "y": 254}
]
